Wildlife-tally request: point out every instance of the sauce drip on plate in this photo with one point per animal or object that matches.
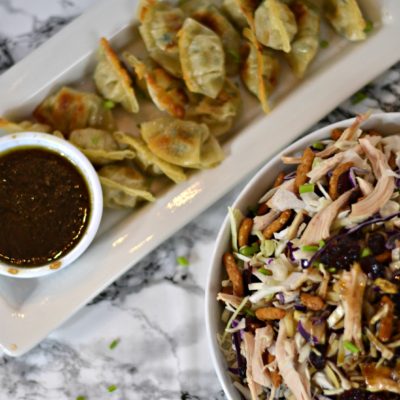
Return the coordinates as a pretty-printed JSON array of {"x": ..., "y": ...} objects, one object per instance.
[{"x": 44, "y": 206}]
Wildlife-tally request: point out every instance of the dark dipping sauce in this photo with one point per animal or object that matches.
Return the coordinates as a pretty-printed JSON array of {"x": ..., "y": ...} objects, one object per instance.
[{"x": 44, "y": 206}]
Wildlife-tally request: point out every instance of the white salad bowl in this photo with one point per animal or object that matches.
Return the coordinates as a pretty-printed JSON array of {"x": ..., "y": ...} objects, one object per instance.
[
  {"x": 82, "y": 164},
  {"x": 387, "y": 124}
]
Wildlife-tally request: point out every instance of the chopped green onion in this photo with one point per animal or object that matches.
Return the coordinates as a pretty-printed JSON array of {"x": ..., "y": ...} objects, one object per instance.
[
  {"x": 182, "y": 261},
  {"x": 332, "y": 270},
  {"x": 310, "y": 248},
  {"x": 249, "y": 312},
  {"x": 369, "y": 26},
  {"x": 324, "y": 44},
  {"x": 112, "y": 388},
  {"x": 318, "y": 146},
  {"x": 81, "y": 398},
  {"x": 366, "y": 252},
  {"x": 321, "y": 244},
  {"x": 108, "y": 104},
  {"x": 358, "y": 97},
  {"x": 351, "y": 347},
  {"x": 114, "y": 344},
  {"x": 306, "y": 188},
  {"x": 247, "y": 251},
  {"x": 264, "y": 271}
]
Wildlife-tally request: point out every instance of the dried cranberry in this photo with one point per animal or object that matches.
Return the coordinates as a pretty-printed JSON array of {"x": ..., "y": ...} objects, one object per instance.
[
  {"x": 318, "y": 361},
  {"x": 376, "y": 242},
  {"x": 341, "y": 253},
  {"x": 373, "y": 268},
  {"x": 354, "y": 394}
]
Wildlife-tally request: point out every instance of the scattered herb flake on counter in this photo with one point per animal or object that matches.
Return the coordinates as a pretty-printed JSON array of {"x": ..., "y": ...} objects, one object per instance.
[
  {"x": 112, "y": 388},
  {"x": 81, "y": 398},
  {"x": 183, "y": 261},
  {"x": 369, "y": 26},
  {"x": 358, "y": 98},
  {"x": 114, "y": 344}
]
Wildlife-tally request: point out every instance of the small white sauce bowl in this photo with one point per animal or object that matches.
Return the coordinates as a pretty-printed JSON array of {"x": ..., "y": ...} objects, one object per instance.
[
  {"x": 387, "y": 124},
  {"x": 82, "y": 164}
]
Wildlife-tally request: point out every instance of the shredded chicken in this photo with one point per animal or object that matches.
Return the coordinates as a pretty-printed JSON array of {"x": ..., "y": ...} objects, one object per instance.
[
  {"x": 319, "y": 226},
  {"x": 349, "y": 134},
  {"x": 284, "y": 199},
  {"x": 229, "y": 299},
  {"x": 383, "y": 189},
  {"x": 288, "y": 185},
  {"x": 365, "y": 187},
  {"x": 264, "y": 337},
  {"x": 262, "y": 221},
  {"x": 352, "y": 287},
  {"x": 249, "y": 343},
  {"x": 293, "y": 374}
]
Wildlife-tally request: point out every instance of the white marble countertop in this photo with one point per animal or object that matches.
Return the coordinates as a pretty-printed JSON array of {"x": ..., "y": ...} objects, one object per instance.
[{"x": 155, "y": 311}]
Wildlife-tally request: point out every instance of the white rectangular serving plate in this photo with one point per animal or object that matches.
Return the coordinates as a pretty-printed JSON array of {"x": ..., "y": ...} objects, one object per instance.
[{"x": 31, "y": 309}]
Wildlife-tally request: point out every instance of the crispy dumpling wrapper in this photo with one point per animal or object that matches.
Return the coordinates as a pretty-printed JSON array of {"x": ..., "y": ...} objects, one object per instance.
[
  {"x": 123, "y": 186},
  {"x": 260, "y": 70},
  {"x": 148, "y": 161},
  {"x": 112, "y": 80},
  {"x": 184, "y": 143},
  {"x": 160, "y": 25},
  {"x": 70, "y": 109},
  {"x": 346, "y": 18},
  {"x": 248, "y": 8},
  {"x": 202, "y": 58},
  {"x": 166, "y": 91},
  {"x": 24, "y": 126},
  {"x": 306, "y": 43},
  {"x": 99, "y": 146},
  {"x": 235, "y": 14},
  {"x": 275, "y": 25},
  {"x": 230, "y": 38},
  {"x": 220, "y": 113}
]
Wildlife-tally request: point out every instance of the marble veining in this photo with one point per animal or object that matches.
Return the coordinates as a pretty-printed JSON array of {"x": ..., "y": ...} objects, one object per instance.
[{"x": 155, "y": 311}]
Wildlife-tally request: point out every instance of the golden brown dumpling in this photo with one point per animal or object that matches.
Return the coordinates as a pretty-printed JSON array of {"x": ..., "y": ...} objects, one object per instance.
[
  {"x": 260, "y": 70},
  {"x": 71, "y": 109},
  {"x": 235, "y": 14},
  {"x": 99, "y": 146},
  {"x": 148, "y": 161},
  {"x": 220, "y": 113},
  {"x": 160, "y": 25},
  {"x": 112, "y": 80},
  {"x": 202, "y": 58},
  {"x": 230, "y": 38},
  {"x": 24, "y": 126},
  {"x": 346, "y": 18},
  {"x": 275, "y": 25},
  {"x": 184, "y": 143},
  {"x": 123, "y": 186},
  {"x": 166, "y": 91},
  {"x": 306, "y": 43}
]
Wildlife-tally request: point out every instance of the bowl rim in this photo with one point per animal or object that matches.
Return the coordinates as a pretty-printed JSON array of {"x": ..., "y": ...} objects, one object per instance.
[
  {"x": 65, "y": 149},
  {"x": 214, "y": 269}
]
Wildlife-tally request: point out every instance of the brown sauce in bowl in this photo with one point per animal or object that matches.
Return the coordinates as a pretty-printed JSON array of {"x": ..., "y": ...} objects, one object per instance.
[{"x": 44, "y": 206}]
